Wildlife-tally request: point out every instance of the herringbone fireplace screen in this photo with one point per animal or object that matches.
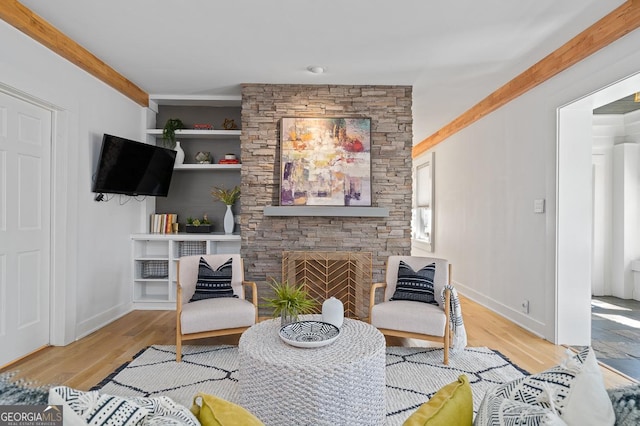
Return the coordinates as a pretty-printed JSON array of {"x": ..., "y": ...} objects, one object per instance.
[{"x": 346, "y": 276}]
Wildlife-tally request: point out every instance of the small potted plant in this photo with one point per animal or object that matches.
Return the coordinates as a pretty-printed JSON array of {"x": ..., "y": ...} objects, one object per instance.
[
  {"x": 169, "y": 131},
  {"x": 198, "y": 226},
  {"x": 289, "y": 301},
  {"x": 228, "y": 197}
]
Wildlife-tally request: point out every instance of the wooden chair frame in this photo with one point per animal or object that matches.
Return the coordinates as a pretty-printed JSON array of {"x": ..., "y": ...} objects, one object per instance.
[
  {"x": 446, "y": 340},
  {"x": 213, "y": 333}
]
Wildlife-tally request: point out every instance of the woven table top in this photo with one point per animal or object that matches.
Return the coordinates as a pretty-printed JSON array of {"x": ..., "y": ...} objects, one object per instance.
[
  {"x": 357, "y": 341},
  {"x": 342, "y": 383}
]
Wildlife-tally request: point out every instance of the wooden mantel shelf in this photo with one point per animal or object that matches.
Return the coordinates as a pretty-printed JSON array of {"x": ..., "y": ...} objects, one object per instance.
[{"x": 326, "y": 211}]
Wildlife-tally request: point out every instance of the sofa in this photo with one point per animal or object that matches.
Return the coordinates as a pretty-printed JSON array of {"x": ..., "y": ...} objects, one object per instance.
[{"x": 572, "y": 393}]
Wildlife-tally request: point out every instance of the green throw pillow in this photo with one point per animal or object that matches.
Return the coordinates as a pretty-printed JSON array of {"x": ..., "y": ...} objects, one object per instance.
[
  {"x": 213, "y": 411},
  {"x": 450, "y": 406}
]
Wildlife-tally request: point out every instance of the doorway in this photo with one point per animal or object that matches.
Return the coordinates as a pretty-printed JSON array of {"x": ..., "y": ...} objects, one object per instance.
[
  {"x": 615, "y": 315},
  {"x": 574, "y": 245},
  {"x": 25, "y": 233}
]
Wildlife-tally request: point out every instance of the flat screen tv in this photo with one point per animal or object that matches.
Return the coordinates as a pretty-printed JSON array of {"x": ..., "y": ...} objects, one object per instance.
[{"x": 133, "y": 168}]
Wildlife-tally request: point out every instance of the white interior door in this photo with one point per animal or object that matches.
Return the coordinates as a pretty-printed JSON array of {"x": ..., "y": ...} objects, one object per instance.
[{"x": 25, "y": 151}]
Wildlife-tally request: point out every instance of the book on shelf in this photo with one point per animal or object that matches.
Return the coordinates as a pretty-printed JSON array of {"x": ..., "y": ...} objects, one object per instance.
[{"x": 162, "y": 223}]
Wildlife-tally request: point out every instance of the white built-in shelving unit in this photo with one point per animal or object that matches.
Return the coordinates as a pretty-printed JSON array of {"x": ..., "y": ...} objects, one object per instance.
[
  {"x": 184, "y": 135},
  {"x": 155, "y": 256},
  {"x": 155, "y": 263}
]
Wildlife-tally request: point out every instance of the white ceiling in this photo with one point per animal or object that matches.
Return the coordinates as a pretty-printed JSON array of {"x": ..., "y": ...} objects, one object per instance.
[{"x": 454, "y": 53}]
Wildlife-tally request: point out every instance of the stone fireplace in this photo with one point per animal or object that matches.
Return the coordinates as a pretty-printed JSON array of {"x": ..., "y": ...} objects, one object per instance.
[
  {"x": 344, "y": 275},
  {"x": 265, "y": 238}
]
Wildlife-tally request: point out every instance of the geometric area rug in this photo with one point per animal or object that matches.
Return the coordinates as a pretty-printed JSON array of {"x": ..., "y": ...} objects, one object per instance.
[{"x": 413, "y": 375}]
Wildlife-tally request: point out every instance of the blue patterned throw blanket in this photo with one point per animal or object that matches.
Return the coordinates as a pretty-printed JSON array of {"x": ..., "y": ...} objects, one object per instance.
[
  {"x": 21, "y": 392},
  {"x": 455, "y": 318}
]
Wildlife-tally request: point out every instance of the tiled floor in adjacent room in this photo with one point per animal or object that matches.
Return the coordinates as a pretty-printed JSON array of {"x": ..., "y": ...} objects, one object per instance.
[{"x": 615, "y": 333}]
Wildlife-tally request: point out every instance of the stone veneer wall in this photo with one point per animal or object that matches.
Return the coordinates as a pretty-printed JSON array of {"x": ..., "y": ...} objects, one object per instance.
[{"x": 265, "y": 238}]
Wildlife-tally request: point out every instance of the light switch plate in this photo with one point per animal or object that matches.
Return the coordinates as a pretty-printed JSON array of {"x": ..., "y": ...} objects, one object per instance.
[{"x": 538, "y": 206}]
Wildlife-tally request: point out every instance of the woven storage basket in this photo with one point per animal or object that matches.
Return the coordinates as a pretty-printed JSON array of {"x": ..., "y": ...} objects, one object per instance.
[
  {"x": 155, "y": 269},
  {"x": 191, "y": 248}
]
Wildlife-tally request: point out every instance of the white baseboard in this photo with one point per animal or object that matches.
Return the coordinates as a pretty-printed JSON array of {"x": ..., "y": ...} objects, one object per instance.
[
  {"x": 530, "y": 324},
  {"x": 98, "y": 321}
]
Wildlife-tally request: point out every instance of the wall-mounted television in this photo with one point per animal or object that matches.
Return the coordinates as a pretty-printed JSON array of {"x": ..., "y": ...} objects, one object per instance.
[{"x": 133, "y": 168}]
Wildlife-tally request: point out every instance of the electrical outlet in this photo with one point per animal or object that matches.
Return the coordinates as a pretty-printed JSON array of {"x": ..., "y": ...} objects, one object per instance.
[{"x": 525, "y": 306}]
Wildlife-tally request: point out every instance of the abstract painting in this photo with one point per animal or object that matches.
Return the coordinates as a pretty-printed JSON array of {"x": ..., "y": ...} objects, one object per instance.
[{"x": 325, "y": 162}]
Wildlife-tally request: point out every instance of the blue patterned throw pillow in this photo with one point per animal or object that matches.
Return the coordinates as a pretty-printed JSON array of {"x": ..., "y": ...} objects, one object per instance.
[
  {"x": 626, "y": 404},
  {"x": 213, "y": 283},
  {"x": 416, "y": 286}
]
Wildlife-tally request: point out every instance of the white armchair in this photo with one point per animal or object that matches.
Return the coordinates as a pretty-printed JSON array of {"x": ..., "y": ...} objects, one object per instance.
[
  {"x": 412, "y": 319},
  {"x": 213, "y": 316}
]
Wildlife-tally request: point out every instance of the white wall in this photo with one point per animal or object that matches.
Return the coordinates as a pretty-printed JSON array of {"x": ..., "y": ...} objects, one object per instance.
[
  {"x": 574, "y": 218},
  {"x": 92, "y": 274},
  {"x": 602, "y": 222},
  {"x": 626, "y": 217},
  {"x": 608, "y": 130},
  {"x": 487, "y": 178},
  {"x": 632, "y": 126}
]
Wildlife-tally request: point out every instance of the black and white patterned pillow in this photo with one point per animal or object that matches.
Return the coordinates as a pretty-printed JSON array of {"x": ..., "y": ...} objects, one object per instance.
[
  {"x": 498, "y": 411},
  {"x": 94, "y": 408},
  {"x": 575, "y": 390},
  {"x": 99, "y": 409},
  {"x": 165, "y": 411},
  {"x": 413, "y": 285},
  {"x": 114, "y": 410},
  {"x": 536, "y": 388},
  {"x": 213, "y": 283}
]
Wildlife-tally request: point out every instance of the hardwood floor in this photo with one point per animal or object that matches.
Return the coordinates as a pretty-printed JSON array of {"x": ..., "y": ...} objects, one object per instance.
[{"x": 86, "y": 362}]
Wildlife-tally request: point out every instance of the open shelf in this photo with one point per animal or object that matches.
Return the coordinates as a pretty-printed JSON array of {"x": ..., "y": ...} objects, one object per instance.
[
  {"x": 149, "y": 257},
  {"x": 196, "y": 100},
  {"x": 201, "y": 134},
  {"x": 207, "y": 167},
  {"x": 164, "y": 250},
  {"x": 326, "y": 211}
]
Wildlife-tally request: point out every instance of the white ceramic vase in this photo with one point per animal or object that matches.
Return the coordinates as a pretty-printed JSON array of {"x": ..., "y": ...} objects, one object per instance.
[
  {"x": 228, "y": 221},
  {"x": 333, "y": 312},
  {"x": 179, "y": 153}
]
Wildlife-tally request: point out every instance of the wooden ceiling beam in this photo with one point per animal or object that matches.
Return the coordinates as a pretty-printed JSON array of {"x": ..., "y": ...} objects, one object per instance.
[
  {"x": 25, "y": 20},
  {"x": 613, "y": 26}
]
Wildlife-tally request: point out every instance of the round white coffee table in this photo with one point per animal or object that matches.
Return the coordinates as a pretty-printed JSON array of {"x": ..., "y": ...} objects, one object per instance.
[{"x": 342, "y": 383}]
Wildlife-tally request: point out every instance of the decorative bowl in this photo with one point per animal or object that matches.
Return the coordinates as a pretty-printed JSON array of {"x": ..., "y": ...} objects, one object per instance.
[
  {"x": 309, "y": 334},
  {"x": 203, "y": 157}
]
